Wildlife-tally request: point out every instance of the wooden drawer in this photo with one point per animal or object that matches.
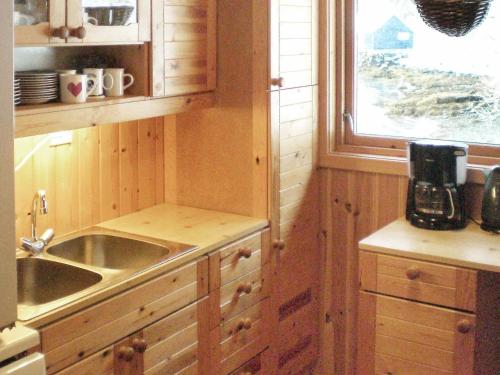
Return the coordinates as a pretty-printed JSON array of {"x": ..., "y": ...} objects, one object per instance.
[
  {"x": 420, "y": 281},
  {"x": 99, "y": 363},
  {"x": 401, "y": 337},
  {"x": 178, "y": 342},
  {"x": 80, "y": 335},
  {"x": 252, "y": 367},
  {"x": 241, "y": 337},
  {"x": 238, "y": 259},
  {"x": 238, "y": 295}
]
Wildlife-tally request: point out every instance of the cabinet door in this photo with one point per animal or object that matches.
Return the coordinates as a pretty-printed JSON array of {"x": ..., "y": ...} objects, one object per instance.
[
  {"x": 184, "y": 46},
  {"x": 401, "y": 337},
  {"x": 100, "y": 363},
  {"x": 108, "y": 21},
  {"x": 39, "y": 21},
  {"x": 294, "y": 43},
  {"x": 295, "y": 226}
]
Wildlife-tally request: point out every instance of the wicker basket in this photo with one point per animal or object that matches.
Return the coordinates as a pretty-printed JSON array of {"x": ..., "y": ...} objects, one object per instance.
[
  {"x": 453, "y": 17},
  {"x": 112, "y": 15}
]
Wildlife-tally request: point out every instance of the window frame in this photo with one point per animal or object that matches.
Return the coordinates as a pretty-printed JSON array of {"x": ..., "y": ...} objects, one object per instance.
[{"x": 337, "y": 71}]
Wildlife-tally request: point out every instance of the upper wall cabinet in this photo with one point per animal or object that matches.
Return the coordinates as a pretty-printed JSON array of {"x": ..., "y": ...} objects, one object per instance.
[
  {"x": 184, "y": 46},
  {"x": 294, "y": 43},
  {"x": 52, "y": 22}
]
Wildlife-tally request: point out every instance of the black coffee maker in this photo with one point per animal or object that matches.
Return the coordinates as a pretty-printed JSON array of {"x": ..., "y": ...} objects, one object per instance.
[{"x": 436, "y": 190}]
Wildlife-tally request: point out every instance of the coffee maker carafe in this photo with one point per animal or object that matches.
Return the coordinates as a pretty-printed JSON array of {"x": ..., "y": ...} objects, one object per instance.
[{"x": 436, "y": 190}]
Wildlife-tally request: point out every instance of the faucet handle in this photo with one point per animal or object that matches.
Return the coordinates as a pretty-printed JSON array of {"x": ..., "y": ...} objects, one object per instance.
[{"x": 47, "y": 236}]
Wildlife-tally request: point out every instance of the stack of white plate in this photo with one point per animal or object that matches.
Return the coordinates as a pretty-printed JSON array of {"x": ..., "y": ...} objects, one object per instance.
[
  {"x": 38, "y": 86},
  {"x": 17, "y": 91}
]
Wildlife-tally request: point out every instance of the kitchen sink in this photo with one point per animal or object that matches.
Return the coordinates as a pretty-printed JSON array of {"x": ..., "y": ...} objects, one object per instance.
[
  {"x": 41, "y": 281},
  {"x": 106, "y": 251}
]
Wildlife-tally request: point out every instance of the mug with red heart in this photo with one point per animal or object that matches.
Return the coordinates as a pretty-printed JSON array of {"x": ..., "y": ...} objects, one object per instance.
[{"x": 76, "y": 88}]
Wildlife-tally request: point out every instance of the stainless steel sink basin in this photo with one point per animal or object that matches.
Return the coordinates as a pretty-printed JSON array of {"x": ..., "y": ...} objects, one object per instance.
[
  {"x": 41, "y": 281},
  {"x": 105, "y": 251}
]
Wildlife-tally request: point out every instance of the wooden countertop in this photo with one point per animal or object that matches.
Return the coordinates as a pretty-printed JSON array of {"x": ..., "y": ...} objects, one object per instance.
[
  {"x": 206, "y": 229},
  {"x": 470, "y": 247}
]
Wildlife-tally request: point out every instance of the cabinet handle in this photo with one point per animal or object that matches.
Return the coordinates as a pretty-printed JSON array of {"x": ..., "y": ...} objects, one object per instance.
[
  {"x": 245, "y": 252},
  {"x": 79, "y": 32},
  {"x": 246, "y": 373},
  {"x": 126, "y": 353},
  {"x": 139, "y": 345},
  {"x": 277, "y": 82},
  {"x": 245, "y": 288},
  {"x": 464, "y": 326},
  {"x": 279, "y": 244},
  {"x": 61, "y": 32},
  {"x": 413, "y": 273},
  {"x": 245, "y": 324}
]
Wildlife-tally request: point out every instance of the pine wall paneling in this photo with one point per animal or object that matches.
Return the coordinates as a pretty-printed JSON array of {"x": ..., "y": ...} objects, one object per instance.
[{"x": 106, "y": 172}]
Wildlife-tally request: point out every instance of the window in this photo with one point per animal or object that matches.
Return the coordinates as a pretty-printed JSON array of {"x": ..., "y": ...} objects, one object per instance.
[{"x": 402, "y": 79}]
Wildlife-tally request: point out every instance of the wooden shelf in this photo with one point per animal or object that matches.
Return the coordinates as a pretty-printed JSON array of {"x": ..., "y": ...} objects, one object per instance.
[{"x": 52, "y": 117}]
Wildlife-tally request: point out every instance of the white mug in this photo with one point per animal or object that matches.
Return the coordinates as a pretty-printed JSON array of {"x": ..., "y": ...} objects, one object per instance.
[
  {"x": 98, "y": 75},
  {"x": 75, "y": 88},
  {"x": 22, "y": 19},
  {"x": 66, "y": 71},
  {"x": 90, "y": 20},
  {"x": 118, "y": 88}
]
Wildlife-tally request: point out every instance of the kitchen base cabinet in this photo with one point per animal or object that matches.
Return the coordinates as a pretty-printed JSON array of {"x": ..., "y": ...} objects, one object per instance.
[{"x": 126, "y": 317}]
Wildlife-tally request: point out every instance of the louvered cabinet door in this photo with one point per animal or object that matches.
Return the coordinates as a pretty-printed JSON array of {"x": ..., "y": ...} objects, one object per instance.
[
  {"x": 294, "y": 43},
  {"x": 184, "y": 46},
  {"x": 295, "y": 227}
]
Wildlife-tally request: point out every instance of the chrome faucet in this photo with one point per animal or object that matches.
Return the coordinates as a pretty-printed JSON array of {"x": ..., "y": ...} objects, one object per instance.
[{"x": 35, "y": 245}]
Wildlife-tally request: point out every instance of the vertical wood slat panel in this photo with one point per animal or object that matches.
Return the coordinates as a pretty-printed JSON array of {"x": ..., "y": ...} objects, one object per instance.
[{"x": 94, "y": 178}]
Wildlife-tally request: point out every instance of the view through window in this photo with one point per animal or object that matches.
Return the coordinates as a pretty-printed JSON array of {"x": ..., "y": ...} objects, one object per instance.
[{"x": 412, "y": 81}]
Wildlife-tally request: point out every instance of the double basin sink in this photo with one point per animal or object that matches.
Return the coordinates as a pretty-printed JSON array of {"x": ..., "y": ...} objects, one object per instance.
[{"x": 80, "y": 266}]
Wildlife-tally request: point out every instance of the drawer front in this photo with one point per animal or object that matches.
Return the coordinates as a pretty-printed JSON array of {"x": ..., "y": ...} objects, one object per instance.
[
  {"x": 178, "y": 341},
  {"x": 242, "y": 293},
  {"x": 100, "y": 363},
  {"x": 238, "y": 259},
  {"x": 252, "y": 367},
  {"x": 401, "y": 337},
  {"x": 82, "y": 334},
  {"x": 420, "y": 281}
]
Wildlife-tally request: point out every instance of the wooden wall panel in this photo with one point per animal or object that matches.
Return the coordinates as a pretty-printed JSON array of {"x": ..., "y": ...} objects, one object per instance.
[
  {"x": 356, "y": 204},
  {"x": 95, "y": 178}
]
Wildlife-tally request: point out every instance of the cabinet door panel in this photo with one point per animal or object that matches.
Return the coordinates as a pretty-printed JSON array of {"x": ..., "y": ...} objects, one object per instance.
[
  {"x": 37, "y": 24},
  {"x": 403, "y": 337},
  {"x": 184, "y": 46},
  {"x": 100, "y": 363},
  {"x": 294, "y": 43},
  {"x": 105, "y": 21}
]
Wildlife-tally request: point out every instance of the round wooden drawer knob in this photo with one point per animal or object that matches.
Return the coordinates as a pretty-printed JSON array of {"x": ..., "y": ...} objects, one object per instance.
[
  {"x": 126, "y": 353},
  {"x": 61, "y": 32},
  {"x": 245, "y": 288},
  {"x": 245, "y": 252},
  {"x": 245, "y": 324},
  {"x": 79, "y": 32},
  {"x": 139, "y": 345},
  {"x": 464, "y": 326},
  {"x": 277, "y": 82},
  {"x": 413, "y": 273},
  {"x": 279, "y": 244}
]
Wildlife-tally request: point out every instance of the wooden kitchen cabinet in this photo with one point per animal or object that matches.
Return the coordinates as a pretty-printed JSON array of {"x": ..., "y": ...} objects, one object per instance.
[
  {"x": 74, "y": 339},
  {"x": 401, "y": 337},
  {"x": 184, "y": 46},
  {"x": 240, "y": 308},
  {"x": 81, "y": 22}
]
